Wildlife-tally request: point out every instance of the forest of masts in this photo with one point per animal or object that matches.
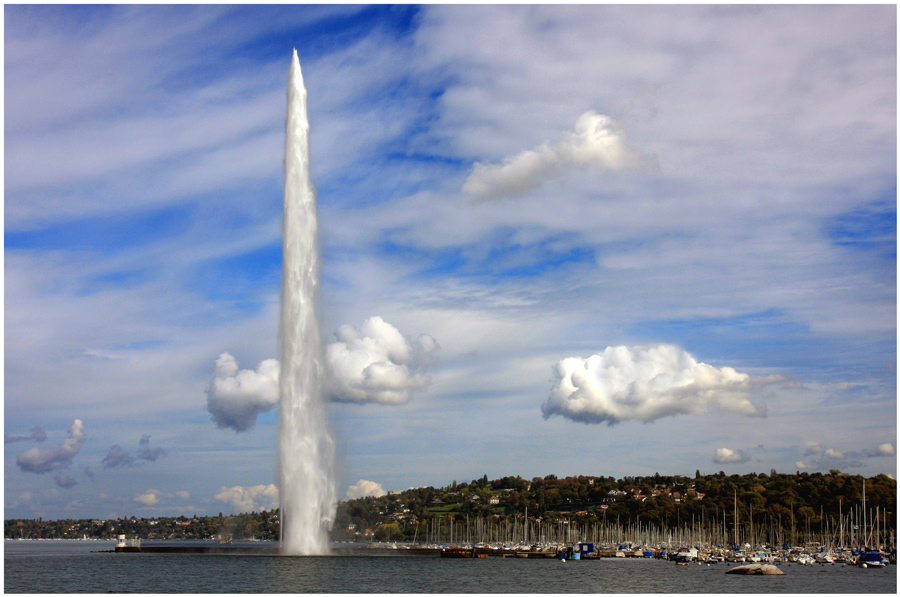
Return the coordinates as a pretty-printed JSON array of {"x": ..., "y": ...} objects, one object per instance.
[{"x": 857, "y": 528}]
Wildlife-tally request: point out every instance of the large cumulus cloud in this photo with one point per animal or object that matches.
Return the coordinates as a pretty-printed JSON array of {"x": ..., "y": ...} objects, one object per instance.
[
  {"x": 40, "y": 461},
  {"x": 375, "y": 363},
  {"x": 237, "y": 397},
  {"x": 646, "y": 383},
  {"x": 596, "y": 141}
]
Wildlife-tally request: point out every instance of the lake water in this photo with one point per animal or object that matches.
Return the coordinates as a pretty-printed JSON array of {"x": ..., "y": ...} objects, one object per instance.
[{"x": 76, "y": 567}]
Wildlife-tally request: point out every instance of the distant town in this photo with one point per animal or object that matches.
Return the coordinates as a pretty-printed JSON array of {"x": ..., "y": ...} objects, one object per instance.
[{"x": 769, "y": 508}]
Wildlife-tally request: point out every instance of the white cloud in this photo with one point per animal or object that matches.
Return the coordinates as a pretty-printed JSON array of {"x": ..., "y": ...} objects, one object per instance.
[
  {"x": 742, "y": 106},
  {"x": 249, "y": 499},
  {"x": 819, "y": 457},
  {"x": 372, "y": 364},
  {"x": 36, "y": 460},
  {"x": 886, "y": 449},
  {"x": 729, "y": 456},
  {"x": 375, "y": 363},
  {"x": 595, "y": 142},
  {"x": 647, "y": 383},
  {"x": 148, "y": 498},
  {"x": 183, "y": 494},
  {"x": 237, "y": 397},
  {"x": 364, "y": 488}
]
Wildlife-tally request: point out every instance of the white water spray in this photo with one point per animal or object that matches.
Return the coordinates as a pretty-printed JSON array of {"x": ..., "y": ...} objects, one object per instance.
[{"x": 306, "y": 450}]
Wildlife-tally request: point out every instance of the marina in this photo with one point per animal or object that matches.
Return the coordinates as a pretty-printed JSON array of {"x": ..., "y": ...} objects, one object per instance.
[
  {"x": 72, "y": 566},
  {"x": 808, "y": 555}
]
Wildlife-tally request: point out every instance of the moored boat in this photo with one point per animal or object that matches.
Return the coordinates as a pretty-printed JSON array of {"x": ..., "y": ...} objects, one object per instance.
[{"x": 871, "y": 559}]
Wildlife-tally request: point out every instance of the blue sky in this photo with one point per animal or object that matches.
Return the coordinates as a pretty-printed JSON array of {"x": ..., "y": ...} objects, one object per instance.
[{"x": 665, "y": 235}]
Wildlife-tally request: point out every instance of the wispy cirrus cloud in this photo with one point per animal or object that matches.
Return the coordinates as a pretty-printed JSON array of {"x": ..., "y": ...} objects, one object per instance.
[{"x": 142, "y": 224}]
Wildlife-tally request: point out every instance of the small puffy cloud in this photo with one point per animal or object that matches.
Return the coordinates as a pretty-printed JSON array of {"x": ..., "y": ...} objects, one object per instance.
[
  {"x": 237, "y": 397},
  {"x": 183, "y": 494},
  {"x": 375, "y": 363},
  {"x": 118, "y": 458},
  {"x": 729, "y": 456},
  {"x": 595, "y": 142},
  {"x": 37, "y": 435},
  {"x": 40, "y": 461},
  {"x": 87, "y": 472},
  {"x": 646, "y": 383},
  {"x": 249, "y": 499},
  {"x": 149, "y": 498},
  {"x": 813, "y": 448},
  {"x": 365, "y": 488},
  {"x": 65, "y": 481},
  {"x": 818, "y": 457},
  {"x": 882, "y": 450},
  {"x": 145, "y": 452}
]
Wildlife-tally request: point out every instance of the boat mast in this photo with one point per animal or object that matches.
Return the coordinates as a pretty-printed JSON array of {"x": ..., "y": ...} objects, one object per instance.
[
  {"x": 841, "y": 521},
  {"x": 865, "y": 534},
  {"x": 736, "y": 540}
]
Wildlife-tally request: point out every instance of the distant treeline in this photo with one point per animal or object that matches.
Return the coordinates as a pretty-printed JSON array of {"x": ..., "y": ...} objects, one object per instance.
[{"x": 804, "y": 505}]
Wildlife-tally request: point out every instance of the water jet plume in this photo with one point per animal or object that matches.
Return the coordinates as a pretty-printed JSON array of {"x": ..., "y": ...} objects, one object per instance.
[{"x": 306, "y": 449}]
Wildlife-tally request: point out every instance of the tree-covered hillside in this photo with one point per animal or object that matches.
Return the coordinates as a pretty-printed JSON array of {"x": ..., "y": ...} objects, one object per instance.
[
  {"x": 798, "y": 506},
  {"x": 768, "y": 507}
]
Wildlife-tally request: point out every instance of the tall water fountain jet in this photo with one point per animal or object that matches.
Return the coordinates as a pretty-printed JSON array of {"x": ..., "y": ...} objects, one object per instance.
[{"x": 306, "y": 450}]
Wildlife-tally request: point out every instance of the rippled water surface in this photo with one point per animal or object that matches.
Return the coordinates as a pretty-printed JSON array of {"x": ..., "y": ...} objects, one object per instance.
[{"x": 76, "y": 566}]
